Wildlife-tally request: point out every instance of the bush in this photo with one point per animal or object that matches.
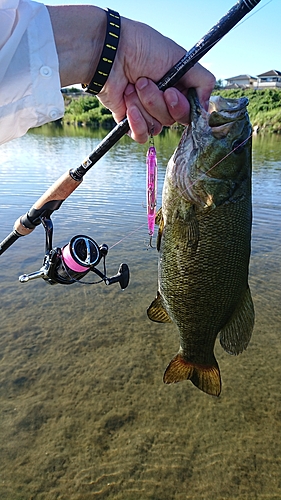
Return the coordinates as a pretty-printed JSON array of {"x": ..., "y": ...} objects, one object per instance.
[{"x": 87, "y": 111}]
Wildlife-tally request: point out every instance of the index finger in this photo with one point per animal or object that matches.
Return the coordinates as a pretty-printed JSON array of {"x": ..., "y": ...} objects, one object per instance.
[{"x": 202, "y": 80}]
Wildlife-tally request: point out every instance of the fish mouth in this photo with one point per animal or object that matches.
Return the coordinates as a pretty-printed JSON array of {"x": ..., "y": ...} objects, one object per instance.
[
  {"x": 210, "y": 136},
  {"x": 224, "y": 112},
  {"x": 219, "y": 118}
]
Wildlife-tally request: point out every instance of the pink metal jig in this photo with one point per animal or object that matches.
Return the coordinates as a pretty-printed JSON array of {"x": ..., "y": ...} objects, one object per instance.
[{"x": 151, "y": 185}]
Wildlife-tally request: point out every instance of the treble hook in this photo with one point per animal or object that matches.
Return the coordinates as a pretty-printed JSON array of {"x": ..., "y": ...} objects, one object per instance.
[{"x": 149, "y": 245}]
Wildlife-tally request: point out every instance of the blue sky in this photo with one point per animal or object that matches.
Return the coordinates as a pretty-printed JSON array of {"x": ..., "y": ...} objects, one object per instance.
[{"x": 251, "y": 48}]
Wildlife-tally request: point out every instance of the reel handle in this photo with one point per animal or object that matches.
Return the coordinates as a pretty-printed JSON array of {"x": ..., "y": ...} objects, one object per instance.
[{"x": 122, "y": 277}]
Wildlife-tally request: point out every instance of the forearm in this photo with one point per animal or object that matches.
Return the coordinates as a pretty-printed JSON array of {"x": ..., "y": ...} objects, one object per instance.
[
  {"x": 45, "y": 48},
  {"x": 79, "y": 33}
]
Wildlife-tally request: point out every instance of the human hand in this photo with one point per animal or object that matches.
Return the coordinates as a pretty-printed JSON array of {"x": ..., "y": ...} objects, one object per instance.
[{"x": 143, "y": 57}]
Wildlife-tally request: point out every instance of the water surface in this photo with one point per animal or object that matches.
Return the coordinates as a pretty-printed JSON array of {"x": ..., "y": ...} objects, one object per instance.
[{"x": 84, "y": 411}]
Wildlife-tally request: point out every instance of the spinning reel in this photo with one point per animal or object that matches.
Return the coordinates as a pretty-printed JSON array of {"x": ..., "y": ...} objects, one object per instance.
[{"x": 69, "y": 264}]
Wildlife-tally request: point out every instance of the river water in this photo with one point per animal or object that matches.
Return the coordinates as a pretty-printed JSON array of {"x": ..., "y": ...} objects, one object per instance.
[{"x": 84, "y": 413}]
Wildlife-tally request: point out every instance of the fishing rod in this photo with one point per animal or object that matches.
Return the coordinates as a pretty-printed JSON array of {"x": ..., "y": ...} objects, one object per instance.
[{"x": 82, "y": 254}]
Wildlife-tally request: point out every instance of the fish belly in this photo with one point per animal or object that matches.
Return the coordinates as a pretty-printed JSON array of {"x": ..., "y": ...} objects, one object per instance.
[{"x": 203, "y": 284}]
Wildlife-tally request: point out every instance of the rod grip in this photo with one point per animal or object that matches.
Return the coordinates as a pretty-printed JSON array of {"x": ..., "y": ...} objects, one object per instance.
[
  {"x": 59, "y": 191},
  {"x": 47, "y": 203}
]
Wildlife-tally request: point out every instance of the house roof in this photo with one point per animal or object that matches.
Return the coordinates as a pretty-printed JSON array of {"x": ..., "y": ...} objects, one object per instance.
[
  {"x": 242, "y": 77},
  {"x": 272, "y": 72},
  {"x": 234, "y": 85}
]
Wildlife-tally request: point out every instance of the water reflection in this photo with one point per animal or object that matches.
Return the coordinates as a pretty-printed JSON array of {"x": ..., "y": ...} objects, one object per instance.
[
  {"x": 267, "y": 148},
  {"x": 84, "y": 412}
]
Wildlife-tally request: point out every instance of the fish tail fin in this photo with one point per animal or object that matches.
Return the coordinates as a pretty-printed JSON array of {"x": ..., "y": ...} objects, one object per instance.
[{"x": 205, "y": 377}]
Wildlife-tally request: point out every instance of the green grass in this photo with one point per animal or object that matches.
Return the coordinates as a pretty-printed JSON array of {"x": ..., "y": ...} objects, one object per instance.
[{"x": 264, "y": 109}]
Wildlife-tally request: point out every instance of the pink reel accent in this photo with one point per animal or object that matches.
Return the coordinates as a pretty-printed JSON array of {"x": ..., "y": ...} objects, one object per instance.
[{"x": 70, "y": 262}]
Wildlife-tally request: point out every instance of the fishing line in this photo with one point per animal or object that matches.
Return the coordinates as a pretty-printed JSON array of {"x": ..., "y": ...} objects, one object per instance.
[
  {"x": 201, "y": 53},
  {"x": 188, "y": 187},
  {"x": 226, "y": 156},
  {"x": 253, "y": 13},
  {"x": 215, "y": 165},
  {"x": 127, "y": 236},
  {"x": 56, "y": 194}
]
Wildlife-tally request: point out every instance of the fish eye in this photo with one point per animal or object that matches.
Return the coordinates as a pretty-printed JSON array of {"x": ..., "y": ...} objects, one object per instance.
[{"x": 238, "y": 146}]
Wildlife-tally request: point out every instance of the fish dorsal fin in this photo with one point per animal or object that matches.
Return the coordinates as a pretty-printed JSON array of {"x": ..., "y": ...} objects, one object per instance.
[
  {"x": 235, "y": 335},
  {"x": 157, "y": 312},
  {"x": 205, "y": 377}
]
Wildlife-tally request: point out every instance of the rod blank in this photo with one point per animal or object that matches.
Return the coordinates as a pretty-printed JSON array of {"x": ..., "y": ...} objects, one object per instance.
[{"x": 223, "y": 26}]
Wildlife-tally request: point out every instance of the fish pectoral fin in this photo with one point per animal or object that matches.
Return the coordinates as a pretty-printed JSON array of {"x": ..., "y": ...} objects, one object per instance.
[
  {"x": 192, "y": 236},
  {"x": 158, "y": 216},
  {"x": 157, "y": 312},
  {"x": 160, "y": 222},
  {"x": 236, "y": 334},
  {"x": 188, "y": 229},
  {"x": 205, "y": 377}
]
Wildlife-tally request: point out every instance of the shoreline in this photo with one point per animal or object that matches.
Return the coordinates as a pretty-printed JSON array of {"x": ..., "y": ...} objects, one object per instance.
[{"x": 264, "y": 110}]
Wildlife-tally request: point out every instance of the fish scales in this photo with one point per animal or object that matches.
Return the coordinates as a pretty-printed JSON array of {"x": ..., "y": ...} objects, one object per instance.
[{"x": 204, "y": 242}]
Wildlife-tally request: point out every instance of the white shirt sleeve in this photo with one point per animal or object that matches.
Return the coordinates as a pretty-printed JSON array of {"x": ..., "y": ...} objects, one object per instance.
[{"x": 29, "y": 71}]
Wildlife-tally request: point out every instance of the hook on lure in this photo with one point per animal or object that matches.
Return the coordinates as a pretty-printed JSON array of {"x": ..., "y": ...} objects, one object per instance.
[{"x": 151, "y": 187}]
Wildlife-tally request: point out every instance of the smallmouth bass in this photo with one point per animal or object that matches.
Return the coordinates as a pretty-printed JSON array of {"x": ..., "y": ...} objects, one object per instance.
[{"x": 204, "y": 241}]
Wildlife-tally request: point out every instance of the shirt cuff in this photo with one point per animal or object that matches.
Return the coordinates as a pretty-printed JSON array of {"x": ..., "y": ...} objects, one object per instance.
[{"x": 30, "y": 91}]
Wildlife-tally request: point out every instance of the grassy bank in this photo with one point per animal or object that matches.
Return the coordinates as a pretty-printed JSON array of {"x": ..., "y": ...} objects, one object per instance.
[{"x": 264, "y": 109}]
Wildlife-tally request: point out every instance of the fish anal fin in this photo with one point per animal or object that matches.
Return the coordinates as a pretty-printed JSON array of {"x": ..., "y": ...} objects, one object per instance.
[
  {"x": 236, "y": 334},
  {"x": 157, "y": 312},
  {"x": 205, "y": 377}
]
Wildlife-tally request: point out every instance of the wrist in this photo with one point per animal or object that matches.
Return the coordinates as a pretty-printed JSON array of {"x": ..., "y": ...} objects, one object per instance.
[
  {"x": 108, "y": 54},
  {"x": 79, "y": 33}
]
